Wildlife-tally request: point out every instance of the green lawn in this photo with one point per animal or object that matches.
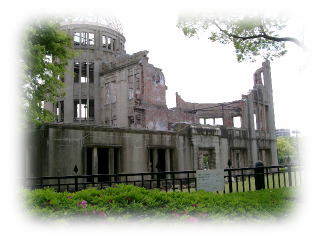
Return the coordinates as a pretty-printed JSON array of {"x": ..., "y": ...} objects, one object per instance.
[{"x": 125, "y": 202}]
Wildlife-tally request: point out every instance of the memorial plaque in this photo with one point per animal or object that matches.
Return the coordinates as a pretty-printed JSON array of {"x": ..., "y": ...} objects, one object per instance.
[{"x": 210, "y": 180}]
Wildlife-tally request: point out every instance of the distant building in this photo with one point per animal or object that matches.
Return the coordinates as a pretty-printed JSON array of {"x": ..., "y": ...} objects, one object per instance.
[{"x": 283, "y": 132}]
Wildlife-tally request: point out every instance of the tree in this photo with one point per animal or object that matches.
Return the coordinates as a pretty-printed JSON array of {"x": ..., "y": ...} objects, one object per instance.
[
  {"x": 45, "y": 53},
  {"x": 250, "y": 35},
  {"x": 286, "y": 147}
]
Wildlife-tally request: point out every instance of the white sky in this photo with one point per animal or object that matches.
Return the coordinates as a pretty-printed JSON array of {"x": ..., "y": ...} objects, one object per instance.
[{"x": 202, "y": 71}]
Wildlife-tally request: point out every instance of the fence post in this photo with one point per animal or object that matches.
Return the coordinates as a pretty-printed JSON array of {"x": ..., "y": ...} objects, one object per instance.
[
  {"x": 230, "y": 180},
  {"x": 158, "y": 180},
  {"x": 76, "y": 183},
  {"x": 259, "y": 175},
  {"x": 290, "y": 176},
  {"x": 188, "y": 181}
]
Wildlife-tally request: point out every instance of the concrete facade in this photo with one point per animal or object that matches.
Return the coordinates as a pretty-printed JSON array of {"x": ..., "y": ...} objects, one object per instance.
[{"x": 114, "y": 118}]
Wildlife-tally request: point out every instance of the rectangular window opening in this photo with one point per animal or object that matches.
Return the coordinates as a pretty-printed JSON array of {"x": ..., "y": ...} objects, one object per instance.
[
  {"x": 91, "y": 39},
  {"x": 218, "y": 121},
  {"x": 255, "y": 121},
  {"x": 76, "y": 38},
  {"x": 76, "y": 71},
  {"x": 57, "y": 112},
  {"x": 91, "y": 72},
  {"x": 104, "y": 41},
  {"x": 84, "y": 77},
  {"x": 80, "y": 110},
  {"x": 109, "y": 43},
  {"x": 210, "y": 121},
  {"x": 91, "y": 108},
  {"x": 84, "y": 39},
  {"x": 113, "y": 44},
  {"x": 237, "y": 122},
  {"x": 62, "y": 111},
  {"x": 130, "y": 93}
]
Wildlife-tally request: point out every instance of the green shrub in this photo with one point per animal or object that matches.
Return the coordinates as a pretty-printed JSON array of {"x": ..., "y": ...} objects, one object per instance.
[{"x": 127, "y": 202}]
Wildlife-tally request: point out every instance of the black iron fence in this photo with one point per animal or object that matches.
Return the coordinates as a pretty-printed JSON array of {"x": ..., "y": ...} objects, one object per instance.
[{"x": 236, "y": 180}]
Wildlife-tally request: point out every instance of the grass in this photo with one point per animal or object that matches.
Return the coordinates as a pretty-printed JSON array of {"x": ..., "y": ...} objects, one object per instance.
[{"x": 125, "y": 202}]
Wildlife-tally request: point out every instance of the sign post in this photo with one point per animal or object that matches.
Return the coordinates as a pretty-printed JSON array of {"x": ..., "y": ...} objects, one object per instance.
[{"x": 210, "y": 180}]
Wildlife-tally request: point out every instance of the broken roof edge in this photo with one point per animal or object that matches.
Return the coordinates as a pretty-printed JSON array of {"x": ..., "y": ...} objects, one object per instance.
[
  {"x": 123, "y": 61},
  {"x": 92, "y": 24},
  {"x": 101, "y": 127}
]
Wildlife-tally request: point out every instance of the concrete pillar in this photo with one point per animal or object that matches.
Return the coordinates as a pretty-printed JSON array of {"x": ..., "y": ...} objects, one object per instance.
[
  {"x": 95, "y": 160},
  {"x": 212, "y": 159},
  {"x": 99, "y": 95},
  {"x": 252, "y": 133},
  {"x": 270, "y": 117},
  {"x": 155, "y": 160},
  {"x": 80, "y": 95},
  {"x": 68, "y": 99},
  {"x": 88, "y": 92},
  {"x": 118, "y": 161},
  {"x": 168, "y": 160},
  {"x": 111, "y": 161}
]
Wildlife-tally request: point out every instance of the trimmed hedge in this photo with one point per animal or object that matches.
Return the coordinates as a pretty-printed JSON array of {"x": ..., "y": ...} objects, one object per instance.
[{"x": 130, "y": 202}]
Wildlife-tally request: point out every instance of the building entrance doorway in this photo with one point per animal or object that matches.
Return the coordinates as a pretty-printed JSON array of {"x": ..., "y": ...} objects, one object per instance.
[{"x": 102, "y": 160}]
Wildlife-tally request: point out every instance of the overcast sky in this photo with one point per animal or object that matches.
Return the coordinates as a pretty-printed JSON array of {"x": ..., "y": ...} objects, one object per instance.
[{"x": 206, "y": 72}]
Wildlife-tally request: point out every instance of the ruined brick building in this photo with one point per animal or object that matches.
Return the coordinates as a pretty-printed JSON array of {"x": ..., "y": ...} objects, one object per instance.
[{"x": 114, "y": 117}]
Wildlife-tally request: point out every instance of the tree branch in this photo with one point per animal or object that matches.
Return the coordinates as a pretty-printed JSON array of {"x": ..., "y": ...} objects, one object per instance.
[{"x": 262, "y": 35}]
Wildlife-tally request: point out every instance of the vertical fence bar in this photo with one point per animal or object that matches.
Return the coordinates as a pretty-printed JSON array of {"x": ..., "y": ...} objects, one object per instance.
[
  {"x": 290, "y": 176},
  {"x": 142, "y": 180},
  {"x": 279, "y": 183},
  {"x": 180, "y": 184},
  {"x": 284, "y": 177},
  {"x": 158, "y": 180},
  {"x": 76, "y": 183},
  {"x": 173, "y": 185},
  {"x": 273, "y": 184},
  {"x": 249, "y": 181},
  {"x": 267, "y": 174},
  {"x": 242, "y": 178},
  {"x": 188, "y": 181},
  {"x": 166, "y": 181},
  {"x": 230, "y": 180},
  {"x": 236, "y": 179}
]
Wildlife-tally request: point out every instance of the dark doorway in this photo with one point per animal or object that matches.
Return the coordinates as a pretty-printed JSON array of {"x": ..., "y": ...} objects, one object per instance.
[
  {"x": 103, "y": 163},
  {"x": 161, "y": 166}
]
